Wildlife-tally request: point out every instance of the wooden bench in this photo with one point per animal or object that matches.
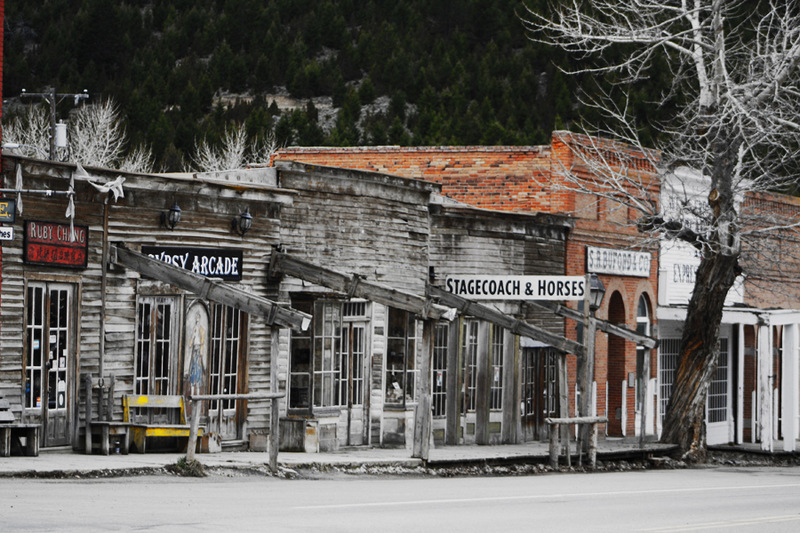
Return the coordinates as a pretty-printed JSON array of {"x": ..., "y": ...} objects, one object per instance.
[
  {"x": 555, "y": 424},
  {"x": 102, "y": 432},
  {"x": 141, "y": 424},
  {"x": 12, "y": 433}
]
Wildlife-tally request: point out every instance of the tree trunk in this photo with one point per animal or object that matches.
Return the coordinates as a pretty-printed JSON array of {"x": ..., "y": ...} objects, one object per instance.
[{"x": 684, "y": 421}]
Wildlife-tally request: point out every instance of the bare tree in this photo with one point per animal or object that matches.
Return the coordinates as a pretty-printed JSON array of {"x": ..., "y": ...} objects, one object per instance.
[
  {"x": 30, "y": 131},
  {"x": 96, "y": 137},
  {"x": 734, "y": 82},
  {"x": 234, "y": 151}
]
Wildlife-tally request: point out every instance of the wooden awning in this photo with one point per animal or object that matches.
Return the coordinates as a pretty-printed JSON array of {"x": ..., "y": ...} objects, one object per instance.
[
  {"x": 355, "y": 286},
  {"x": 510, "y": 323},
  {"x": 211, "y": 289},
  {"x": 602, "y": 325}
]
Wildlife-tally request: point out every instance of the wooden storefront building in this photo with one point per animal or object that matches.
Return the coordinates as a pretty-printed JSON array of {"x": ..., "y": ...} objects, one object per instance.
[{"x": 333, "y": 296}]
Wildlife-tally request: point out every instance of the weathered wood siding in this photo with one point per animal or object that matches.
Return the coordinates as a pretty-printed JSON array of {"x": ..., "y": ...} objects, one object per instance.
[
  {"x": 358, "y": 222},
  {"x": 208, "y": 208},
  {"x": 470, "y": 241},
  {"x": 355, "y": 222}
]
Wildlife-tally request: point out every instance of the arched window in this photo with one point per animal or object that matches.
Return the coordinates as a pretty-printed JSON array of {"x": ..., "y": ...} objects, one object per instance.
[
  {"x": 643, "y": 316},
  {"x": 642, "y": 328}
]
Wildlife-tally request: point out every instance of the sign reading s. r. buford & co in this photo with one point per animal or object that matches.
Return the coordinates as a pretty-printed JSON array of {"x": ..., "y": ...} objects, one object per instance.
[
  {"x": 54, "y": 244},
  {"x": 617, "y": 262},
  {"x": 210, "y": 262}
]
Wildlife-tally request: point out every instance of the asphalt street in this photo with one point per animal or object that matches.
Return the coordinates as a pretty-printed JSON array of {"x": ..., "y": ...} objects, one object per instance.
[{"x": 707, "y": 499}]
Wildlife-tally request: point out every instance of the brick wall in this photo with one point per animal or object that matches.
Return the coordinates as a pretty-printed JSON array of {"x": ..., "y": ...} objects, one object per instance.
[
  {"x": 771, "y": 260},
  {"x": 502, "y": 178}
]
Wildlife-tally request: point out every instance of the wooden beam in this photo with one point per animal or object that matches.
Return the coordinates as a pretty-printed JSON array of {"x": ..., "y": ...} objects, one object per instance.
[
  {"x": 602, "y": 325},
  {"x": 211, "y": 289},
  {"x": 357, "y": 286},
  {"x": 468, "y": 307}
]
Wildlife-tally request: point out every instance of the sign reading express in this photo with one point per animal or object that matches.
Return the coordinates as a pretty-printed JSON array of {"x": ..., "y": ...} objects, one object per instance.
[
  {"x": 517, "y": 287},
  {"x": 53, "y": 244},
  {"x": 210, "y": 262}
]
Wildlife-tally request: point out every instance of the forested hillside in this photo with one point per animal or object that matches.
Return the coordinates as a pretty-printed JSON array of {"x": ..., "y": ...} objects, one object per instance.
[{"x": 316, "y": 72}]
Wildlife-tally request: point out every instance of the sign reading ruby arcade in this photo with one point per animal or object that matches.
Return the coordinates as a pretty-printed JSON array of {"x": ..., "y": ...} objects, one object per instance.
[
  {"x": 53, "y": 244},
  {"x": 211, "y": 262}
]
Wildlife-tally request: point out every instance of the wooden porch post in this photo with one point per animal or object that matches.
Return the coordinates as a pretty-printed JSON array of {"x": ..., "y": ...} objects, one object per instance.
[
  {"x": 764, "y": 358},
  {"x": 483, "y": 384},
  {"x": 422, "y": 414},
  {"x": 789, "y": 379},
  {"x": 275, "y": 404},
  {"x": 453, "y": 398}
]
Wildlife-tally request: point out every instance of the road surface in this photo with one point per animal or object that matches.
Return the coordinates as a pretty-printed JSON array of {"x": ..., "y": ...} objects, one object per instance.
[{"x": 710, "y": 499}]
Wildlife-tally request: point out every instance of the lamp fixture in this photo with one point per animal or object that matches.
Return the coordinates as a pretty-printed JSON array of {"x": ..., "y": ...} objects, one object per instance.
[
  {"x": 243, "y": 222},
  {"x": 596, "y": 292},
  {"x": 171, "y": 218}
]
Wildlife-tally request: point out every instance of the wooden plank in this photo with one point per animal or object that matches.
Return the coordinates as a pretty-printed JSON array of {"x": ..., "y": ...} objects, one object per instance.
[
  {"x": 577, "y": 420},
  {"x": 250, "y": 396},
  {"x": 356, "y": 286},
  {"x": 155, "y": 401},
  {"x": 208, "y": 288},
  {"x": 519, "y": 327},
  {"x": 167, "y": 431}
]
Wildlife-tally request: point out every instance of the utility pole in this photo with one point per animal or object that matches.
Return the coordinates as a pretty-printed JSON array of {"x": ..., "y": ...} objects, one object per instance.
[{"x": 53, "y": 98}]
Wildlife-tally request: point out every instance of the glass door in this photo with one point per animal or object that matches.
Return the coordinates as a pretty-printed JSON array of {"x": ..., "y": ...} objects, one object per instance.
[{"x": 50, "y": 359}]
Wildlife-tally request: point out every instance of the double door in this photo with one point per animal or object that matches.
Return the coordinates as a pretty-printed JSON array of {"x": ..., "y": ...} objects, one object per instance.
[
  {"x": 50, "y": 360},
  {"x": 225, "y": 370},
  {"x": 539, "y": 391}
]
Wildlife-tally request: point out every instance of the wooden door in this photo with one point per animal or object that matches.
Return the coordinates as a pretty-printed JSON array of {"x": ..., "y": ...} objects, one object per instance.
[
  {"x": 226, "y": 370},
  {"x": 539, "y": 391},
  {"x": 49, "y": 378}
]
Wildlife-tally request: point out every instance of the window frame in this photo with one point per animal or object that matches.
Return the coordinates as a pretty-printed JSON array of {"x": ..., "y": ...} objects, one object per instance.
[
  {"x": 403, "y": 334},
  {"x": 161, "y": 343},
  {"x": 334, "y": 352},
  {"x": 228, "y": 340}
]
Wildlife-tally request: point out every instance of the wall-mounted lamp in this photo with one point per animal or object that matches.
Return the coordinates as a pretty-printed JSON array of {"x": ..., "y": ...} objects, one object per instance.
[
  {"x": 243, "y": 222},
  {"x": 171, "y": 218}
]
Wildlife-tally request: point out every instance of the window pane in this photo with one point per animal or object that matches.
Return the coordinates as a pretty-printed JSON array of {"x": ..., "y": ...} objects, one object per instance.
[
  {"x": 470, "y": 355},
  {"x": 299, "y": 388},
  {"x": 497, "y": 348},
  {"x": 439, "y": 369}
]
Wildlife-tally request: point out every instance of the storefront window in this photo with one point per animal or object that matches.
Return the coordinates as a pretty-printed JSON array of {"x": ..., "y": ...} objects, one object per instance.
[
  {"x": 300, "y": 366},
  {"x": 223, "y": 372},
  {"x": 401, "y": 353},
  {"x": 327, "y": 354},
  {"x": 327, "y": 363},
  {"x": 668, "y": 363},
  {"x": 470, "y": 355},
  {"x": 497, "y": 348},
  {"x": 439, "y": 369},
  {"x": 155, "y": 342}
]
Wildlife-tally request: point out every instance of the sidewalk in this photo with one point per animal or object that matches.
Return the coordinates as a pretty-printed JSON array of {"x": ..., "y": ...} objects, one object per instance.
[{"x": 58, "y": 463}]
